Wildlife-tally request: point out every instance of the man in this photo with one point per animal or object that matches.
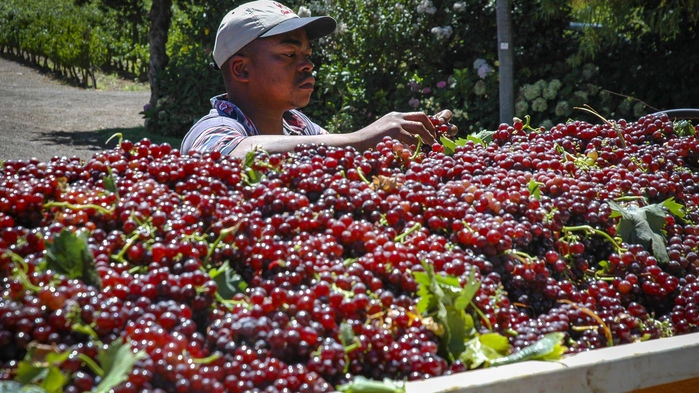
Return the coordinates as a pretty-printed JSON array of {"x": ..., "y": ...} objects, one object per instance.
[{"x": 263, "y": 51}]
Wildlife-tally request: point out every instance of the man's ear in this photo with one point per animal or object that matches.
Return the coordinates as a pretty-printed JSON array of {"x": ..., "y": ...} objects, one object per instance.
[{"x": 237, "y": 66}]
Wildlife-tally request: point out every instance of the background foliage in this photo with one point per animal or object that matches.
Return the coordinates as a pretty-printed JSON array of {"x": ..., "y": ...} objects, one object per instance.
[{"x": 624, "y": 58}]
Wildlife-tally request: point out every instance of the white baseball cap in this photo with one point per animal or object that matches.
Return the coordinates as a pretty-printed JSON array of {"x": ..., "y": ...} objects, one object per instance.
[{"x": 263, "y": 18}]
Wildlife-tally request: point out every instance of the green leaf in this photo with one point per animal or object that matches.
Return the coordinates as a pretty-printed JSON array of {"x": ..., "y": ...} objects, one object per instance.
[
  {"x": 252, "y": 176},
  {"x": 458, "y": 326},
  {"x": 467, "y": 292},
  {"x": 28, "y": 372},
  {"x": 109, "y": 182},
  {"x": 228, "y": 281},
  {"x": 361, "y": 384},
  {"x": 117, "y": 361},
  {"x": 483, "y": 137},
  {"x": 54, "y": 381},
  {"x": 16, "y": 387},
  {"x": 449, "y": 145},
  {"x": 443, "y": 299},
  {"x": 484, "y": 348},
  {"x": 644, "y": 226},
  {"x": 346, "y": 335},
  {"x": 684, "y": 128},
  {"x": 68, "y": 254},
  {"x": 42, "y": 367},
  {"x": 535, "y": 188},
  {"x": 676, "y": 209},
  {"x": 549, "y": 347}
]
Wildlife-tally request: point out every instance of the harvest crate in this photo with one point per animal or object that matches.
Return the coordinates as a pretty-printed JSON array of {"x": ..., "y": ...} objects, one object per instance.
[{"x": 667, "y": 365}]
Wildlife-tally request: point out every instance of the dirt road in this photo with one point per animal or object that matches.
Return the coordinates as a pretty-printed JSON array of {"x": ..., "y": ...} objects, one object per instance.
[{"x": 42, "y": 118}]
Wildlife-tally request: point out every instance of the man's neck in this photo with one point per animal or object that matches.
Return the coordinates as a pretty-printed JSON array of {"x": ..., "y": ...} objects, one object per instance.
[{"x": 267, "y": 121}]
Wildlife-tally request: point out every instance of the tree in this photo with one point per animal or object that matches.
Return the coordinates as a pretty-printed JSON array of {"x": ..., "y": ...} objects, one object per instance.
[
  {"x": 609, "y": 22},
  {"x": 160, "y": 18}
]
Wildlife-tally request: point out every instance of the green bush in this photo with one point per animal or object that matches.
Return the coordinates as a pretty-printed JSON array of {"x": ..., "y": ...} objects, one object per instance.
[
  {"x": 73, "y": 39},
  {"x": 402, "y": 55}
]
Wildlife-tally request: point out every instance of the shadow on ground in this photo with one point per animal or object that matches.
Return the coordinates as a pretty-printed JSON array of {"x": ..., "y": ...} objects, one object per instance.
[{"x": 102, "y": 139}]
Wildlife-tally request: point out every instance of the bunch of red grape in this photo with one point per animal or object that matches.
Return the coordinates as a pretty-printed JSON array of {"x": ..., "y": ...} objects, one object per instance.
[{"x": 295, "y": 272}]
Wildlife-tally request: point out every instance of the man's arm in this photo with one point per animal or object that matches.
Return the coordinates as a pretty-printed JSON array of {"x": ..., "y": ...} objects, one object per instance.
[{"x": 405, "y": 127}]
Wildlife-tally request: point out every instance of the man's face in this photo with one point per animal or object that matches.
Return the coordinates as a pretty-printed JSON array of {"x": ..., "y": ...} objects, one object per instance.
[{"x": 280, "y": 70}]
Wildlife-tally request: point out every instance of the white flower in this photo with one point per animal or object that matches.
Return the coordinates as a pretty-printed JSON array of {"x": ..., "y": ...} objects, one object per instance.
[
  {"x": 549, "y": 93},
  {"x": 562, "y": 108},
  {"x": 426, "y": 7},
  {"x": 304, "y": 11},
  {"x": 521, "y": 107},
  {"x": 478, "y": 63},
  {"x": 484, "y": 70},
  {"x": 530, "y": 91},
  {"x": 459, "y": 6},
  {"x": 539, "y": 104},
  {"x": 555, "y": 84},
  {"x": 442, "y": 33}
]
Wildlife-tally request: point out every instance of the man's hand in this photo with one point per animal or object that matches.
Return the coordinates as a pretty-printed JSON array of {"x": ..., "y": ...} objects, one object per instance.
[
  {"x": 444, "y": 118},
  {"x": 406, "y": 127}
]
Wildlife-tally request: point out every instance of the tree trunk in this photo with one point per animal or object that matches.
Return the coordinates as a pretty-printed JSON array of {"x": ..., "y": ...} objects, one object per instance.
[{"x": 160, "y": 18}]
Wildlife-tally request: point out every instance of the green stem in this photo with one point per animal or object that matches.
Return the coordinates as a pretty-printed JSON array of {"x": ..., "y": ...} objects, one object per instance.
[
  {"x": 91, "y": 364},
  {"x": 21, "y": 271},
  {"x": 416, "y": 153},
  {"x": 224, "y": 233},
  {"x": 401, "y": 238},
  {"x": 361, "y": 176},
  {"x": 71, "y": 206},
  {"x": 593, "y": 231}
]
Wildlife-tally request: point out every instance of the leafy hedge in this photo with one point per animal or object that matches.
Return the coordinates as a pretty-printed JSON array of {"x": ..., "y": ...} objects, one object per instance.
[
  {"x": 401, "y": 55},
  {"x": 72, "y": 40},
  {"x": 427, "y": 55}
]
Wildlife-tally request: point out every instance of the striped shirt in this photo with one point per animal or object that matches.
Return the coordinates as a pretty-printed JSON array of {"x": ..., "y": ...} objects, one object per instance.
[{"x": 226, "y": 125}]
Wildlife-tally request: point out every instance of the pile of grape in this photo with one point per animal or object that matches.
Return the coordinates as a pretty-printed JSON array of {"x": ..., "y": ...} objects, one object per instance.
[{"x": 296, "y": 272}]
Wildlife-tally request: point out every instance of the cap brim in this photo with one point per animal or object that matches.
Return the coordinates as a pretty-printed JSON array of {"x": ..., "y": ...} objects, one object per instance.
[{"x": 316, "y": 26}]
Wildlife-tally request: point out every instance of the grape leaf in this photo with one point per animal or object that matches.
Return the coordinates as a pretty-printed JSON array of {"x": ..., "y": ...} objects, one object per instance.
[
  {"x": 549, "y": 347},
  {"x": 110, "y": 183},
  {"x": 68, "y": 254},
  {"x": 483, "y": 349},
  {"x": 361, "y": 384},
  {"x": 449, "y": 145},
  {"x": 41, "y": 368},
  {"x": 676, "y": 209},
  {"x": 535, "y": 188},
  {"x": 684, "y": 128},
  {"x": 443, "y": 299},
  {"x": 483, "y": 137},
  {"x": 228, "y": 281},
  {"x": 16, "y": 387},
  {"x": 117, "y": 361},
  {"x": 644, "y": 226},
  {"x": 251, "y": 175}
]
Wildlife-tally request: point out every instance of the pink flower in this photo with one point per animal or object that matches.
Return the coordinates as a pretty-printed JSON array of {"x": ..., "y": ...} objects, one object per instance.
[
  {"x": 414, "y": 102},
  {"x": 441, "y": 84},
  {"x": 426, "y": 90}
]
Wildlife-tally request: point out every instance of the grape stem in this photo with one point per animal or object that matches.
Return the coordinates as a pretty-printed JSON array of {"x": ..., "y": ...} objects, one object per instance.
[
  {"x": 21, "y": 270},
  {"x": 587, "y": 311},
  {"x": 68, "y": 205},
  {"x": 592, "y": 231},
  {"x": 401, "y": 238},
  {"x": 620, "y": 135}
]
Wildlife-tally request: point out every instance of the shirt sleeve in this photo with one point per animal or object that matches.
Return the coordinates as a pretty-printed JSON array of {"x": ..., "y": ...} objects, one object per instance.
[{"x": 214, "y": 134}]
